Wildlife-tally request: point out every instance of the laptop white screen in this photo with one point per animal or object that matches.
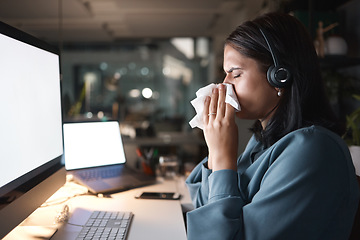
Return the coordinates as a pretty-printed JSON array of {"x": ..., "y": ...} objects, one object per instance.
[{"x": 92, "y": 144}]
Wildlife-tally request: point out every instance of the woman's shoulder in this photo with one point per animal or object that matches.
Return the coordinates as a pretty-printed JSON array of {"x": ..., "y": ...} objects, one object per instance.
[
  {"x": 314, "y": 133},
  {"x": 314, "y": 139}
]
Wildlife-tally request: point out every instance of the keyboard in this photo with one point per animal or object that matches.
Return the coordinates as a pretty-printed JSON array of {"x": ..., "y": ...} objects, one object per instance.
[
  {"x": 106, "y": 225},
  {"x": 95, "y": 174}
]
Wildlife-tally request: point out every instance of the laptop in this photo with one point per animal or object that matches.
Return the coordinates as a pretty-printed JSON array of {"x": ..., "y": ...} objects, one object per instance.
[{"x": 94, "y": 154}]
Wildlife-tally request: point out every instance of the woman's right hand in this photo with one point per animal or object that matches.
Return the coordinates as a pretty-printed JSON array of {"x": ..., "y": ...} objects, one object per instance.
[{"x": 220, "y": 131}]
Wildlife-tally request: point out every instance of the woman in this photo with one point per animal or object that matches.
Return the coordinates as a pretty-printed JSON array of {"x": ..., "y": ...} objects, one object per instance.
[{"x": 295, "y": 179}]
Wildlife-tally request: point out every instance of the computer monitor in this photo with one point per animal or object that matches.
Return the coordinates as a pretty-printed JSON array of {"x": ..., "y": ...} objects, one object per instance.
[{"x": 31, "y": 140}]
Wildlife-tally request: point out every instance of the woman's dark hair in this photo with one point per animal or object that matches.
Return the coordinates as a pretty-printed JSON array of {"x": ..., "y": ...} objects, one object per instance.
[{"x": 304, "y": 102}]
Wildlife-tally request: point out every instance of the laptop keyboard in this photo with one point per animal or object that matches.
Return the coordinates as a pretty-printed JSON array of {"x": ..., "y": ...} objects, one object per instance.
[
  {"x": 96, "y": 174},
  {"x": 106, "y": 225}
]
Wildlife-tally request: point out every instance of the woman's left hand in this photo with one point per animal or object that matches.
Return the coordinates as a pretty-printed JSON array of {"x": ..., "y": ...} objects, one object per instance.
[{"x": 220, "y": 130}]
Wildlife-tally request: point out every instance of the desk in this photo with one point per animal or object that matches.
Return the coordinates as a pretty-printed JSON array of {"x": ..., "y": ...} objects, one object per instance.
[{"x": 153, "y": 219}]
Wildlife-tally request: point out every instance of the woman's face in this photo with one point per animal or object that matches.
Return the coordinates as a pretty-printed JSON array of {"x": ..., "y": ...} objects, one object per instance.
[{"x": 256, "y": 96}]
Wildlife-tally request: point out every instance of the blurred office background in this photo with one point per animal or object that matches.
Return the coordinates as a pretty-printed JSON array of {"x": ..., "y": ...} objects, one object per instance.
[{"x": 141, "y": 61}]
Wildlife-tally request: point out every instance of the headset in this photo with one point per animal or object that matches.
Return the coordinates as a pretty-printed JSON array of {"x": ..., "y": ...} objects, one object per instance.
[{"x": 278, "y": 75}]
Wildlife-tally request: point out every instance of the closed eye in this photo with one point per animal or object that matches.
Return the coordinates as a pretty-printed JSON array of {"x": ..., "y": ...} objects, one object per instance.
[
  {"x": 235, "y": 71},
  {"x": 237, "y": 75}
]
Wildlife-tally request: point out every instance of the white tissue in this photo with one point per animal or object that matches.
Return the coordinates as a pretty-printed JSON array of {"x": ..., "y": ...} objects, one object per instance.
[{"x": 198, "y": 102}]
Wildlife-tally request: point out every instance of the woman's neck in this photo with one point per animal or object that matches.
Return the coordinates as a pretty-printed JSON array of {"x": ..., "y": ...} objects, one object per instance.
[{"x": 264, "y": 121}]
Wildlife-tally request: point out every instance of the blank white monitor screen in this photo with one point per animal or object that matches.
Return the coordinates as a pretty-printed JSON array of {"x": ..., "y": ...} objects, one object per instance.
[
  {"x": 30, "y": 100},
  {"x": 31, "y": 144}
]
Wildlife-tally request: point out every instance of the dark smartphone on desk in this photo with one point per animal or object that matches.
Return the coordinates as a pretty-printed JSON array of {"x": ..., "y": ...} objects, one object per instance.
[{"x": 158, "y": 195}]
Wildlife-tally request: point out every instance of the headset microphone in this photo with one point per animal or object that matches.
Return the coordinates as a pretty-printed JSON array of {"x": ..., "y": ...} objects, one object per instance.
[{"x": 278, "y": 75}]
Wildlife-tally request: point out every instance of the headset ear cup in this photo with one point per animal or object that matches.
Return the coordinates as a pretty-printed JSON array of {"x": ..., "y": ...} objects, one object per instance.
[
  {"x": 271, "y": 76},
  {"x": 278, "y": 76}
]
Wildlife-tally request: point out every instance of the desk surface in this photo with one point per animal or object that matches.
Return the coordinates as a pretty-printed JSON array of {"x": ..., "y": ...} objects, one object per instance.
[{"x": 153, "y": 219}]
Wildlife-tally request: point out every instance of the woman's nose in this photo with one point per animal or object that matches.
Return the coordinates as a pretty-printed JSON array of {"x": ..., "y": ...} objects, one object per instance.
[{"x": 226, "y": 80}]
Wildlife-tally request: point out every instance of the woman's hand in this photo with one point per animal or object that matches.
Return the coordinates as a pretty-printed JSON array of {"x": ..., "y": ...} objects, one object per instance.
[{"x": 220, "y": 130}]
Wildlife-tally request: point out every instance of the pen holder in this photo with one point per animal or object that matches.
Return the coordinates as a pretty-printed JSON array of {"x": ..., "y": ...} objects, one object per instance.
[{"x": 169, "y": 166}]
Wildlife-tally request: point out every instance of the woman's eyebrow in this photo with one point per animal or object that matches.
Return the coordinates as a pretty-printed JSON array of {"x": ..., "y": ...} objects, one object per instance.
[{"x": 232, "y": 69}]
